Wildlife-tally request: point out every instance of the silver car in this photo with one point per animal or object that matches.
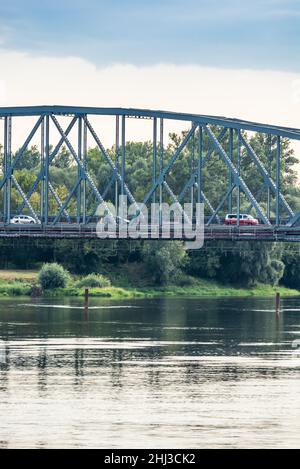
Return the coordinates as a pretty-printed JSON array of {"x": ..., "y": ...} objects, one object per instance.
[{"x": 23, "y": 220}]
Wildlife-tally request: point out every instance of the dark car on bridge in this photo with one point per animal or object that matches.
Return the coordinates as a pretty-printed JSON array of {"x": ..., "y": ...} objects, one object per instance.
[{"x": 244, "y": 219}]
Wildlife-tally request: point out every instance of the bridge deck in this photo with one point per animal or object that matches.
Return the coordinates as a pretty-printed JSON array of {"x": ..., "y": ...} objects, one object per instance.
[{"x": 212, "y": 232}]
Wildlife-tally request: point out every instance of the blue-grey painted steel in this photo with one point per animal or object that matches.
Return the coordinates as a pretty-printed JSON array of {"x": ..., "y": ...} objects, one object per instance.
[
  {"x": 294, "y": 221},
  {"x": 46, "y": 169},
  {"x": 199, "y": 173},
  {"x": 238, "y": 204},
  {"x": 123, "y": 162},
  {"x": 237, "y": 178},
  {"x": 85, "y": 194},
  {"x": 278, "y": 152},
  {"x": 117, "y": 160},
  {"x": 79, "y": 170},
  {"x": 230, "y": 173},
  {"x": 215, "y": 213},
  {"x": 267, "y": 178},
  {"x": 288, "y": 132},
  {"x": 154, "y": 154}
]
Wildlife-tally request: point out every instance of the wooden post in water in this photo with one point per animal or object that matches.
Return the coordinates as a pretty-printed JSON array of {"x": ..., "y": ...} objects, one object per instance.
[
  {"x": 278, "y": 304},
  {"x": 86, "y": 298}
]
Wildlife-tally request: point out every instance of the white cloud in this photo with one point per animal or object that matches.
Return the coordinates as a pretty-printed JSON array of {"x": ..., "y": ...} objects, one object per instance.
[
  {"x": 265, "y": 96},
  {"x": 2, "y": 91}
]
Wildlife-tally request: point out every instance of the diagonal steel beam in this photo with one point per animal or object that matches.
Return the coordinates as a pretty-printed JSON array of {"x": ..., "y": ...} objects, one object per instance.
[
  {"x": 163, "y": 174},
  {"x": 230, "y": 189},
  {"x": 107, "y": 188},
  {"x": 264, "y": 173},
  {"x": 51, "y": 158},
  {"x": 187, "y": 186},
  {"x": 212, "y": 149},
  {"x": 207, "y": 201},
  {"x": 292, "y": 222},
  {"x": 111, "y": 163},
  {"x": 18, "y": 187},
  {"x": 58, "y": 201},
  {"x": 239, "y": 181},
  {"x": 257, "y": 197},
  {"x": 83, "y": 171},
  {"x": 193, "y": 176},
  {"x": 9, "y": 171},
  {"x": 171, "y": 193},
  {"x": 66, "y": 202}
]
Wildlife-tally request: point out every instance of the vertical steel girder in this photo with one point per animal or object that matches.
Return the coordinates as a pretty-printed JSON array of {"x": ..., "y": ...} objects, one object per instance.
[
  {"x": 267, "y": 178},
  {"x": 117, "y": 144},
  {"x": 154, "y": 155},
  {"x": 7, "y": 163},
  {"x": 238, "y": 203},
  {"x": 278, "y": 153},
  {"x": 230, "y": 173},
  {"x": 79, "y": 175},
  {"x": 239, "y": 181},
  {"x": 161, "y": 168}
]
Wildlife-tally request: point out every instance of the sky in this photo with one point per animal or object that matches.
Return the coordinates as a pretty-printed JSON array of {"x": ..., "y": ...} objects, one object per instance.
[
  {"x": 263, "y": 34},
  {"x": 222, "y": 57}
]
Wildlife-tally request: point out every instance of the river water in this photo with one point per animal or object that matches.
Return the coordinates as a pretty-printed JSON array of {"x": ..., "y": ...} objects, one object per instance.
[{"x": 160, "y": 373}]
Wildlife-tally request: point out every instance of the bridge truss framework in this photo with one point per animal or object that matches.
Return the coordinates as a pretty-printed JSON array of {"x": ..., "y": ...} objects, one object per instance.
[{"x": 59, "y": 223}]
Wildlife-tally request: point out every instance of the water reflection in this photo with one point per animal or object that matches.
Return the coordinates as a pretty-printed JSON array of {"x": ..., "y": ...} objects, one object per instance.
[{"x": 149, "y": 373}]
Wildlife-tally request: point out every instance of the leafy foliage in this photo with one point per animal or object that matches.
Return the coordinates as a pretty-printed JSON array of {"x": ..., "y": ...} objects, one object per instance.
[
  {"x": 53, "y": 276},
  {"x": 165, "y": 262},
  {"x": 163, "y": 259},
  {"x": 291, "y": 276},
  {"x": 94, "y": 281},
  {"x": 249, "y": 263}
]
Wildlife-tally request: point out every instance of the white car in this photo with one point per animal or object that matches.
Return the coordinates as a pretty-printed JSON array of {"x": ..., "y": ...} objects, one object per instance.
[{"x": 24, "y": 220}]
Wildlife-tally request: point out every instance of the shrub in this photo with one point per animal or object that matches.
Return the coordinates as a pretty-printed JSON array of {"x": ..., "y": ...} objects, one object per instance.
[
  {"x": 94, "y": 281},
  {"x": 164, "y": 260},
  {"x": 53, "y": 276},
  {"x": 291, "y": 277},
  {"x": 14, "y": 288}
]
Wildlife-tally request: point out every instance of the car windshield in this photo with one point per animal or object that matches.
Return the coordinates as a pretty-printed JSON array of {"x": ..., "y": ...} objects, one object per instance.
[{"x": 241, "y": 216}]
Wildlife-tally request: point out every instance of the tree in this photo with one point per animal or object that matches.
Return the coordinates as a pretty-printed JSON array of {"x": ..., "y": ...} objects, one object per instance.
[
  {"x": 53, "y": 276},
  {"x": 291, "y": 276},
  {"x": 254, "y": 262},
  {"x": 204, "y": 262},
  {"x": 30, "y": 158},
  {"x": 163, "y": 259},
  {"x": 63, "y": 159},
  {"x": 246, "y": 264}
]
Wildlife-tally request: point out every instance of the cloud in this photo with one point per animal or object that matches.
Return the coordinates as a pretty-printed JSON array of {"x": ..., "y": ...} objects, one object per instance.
[
  {"x": 265, "y": 96},
  {"x": 217, "y": 33},
  {"x": 2, "y": 91}
]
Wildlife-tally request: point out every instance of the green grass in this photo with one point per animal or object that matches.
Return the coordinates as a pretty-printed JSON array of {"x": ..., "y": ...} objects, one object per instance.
[
  {"x": 14, "y": 288},
  {"x": 13, "y": 284}
]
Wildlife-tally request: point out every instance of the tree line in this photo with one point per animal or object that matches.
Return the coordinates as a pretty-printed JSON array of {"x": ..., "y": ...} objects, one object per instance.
[{"x": 162, "y": 262}]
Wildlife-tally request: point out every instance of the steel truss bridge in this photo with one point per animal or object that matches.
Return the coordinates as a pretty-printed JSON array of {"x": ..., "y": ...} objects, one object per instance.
[{"x": 207, "y": 139}]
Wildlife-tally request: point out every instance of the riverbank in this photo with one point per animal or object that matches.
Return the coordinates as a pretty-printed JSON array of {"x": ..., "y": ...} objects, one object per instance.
[{"x": 23, "y": 283}]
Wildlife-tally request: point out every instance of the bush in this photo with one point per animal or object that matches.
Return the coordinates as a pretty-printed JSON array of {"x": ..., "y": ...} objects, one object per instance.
[
  {"x": 14, "y": 288},
  {"x": 53, "y": 276},
  {"x": 291, "y": 277},
  {"x": 164, "y": 260},
  {"x": 94, "y": 281}
]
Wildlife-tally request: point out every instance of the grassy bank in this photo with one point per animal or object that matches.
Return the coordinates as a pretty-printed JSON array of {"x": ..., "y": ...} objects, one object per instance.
[{"x": 19, "y": 283}]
